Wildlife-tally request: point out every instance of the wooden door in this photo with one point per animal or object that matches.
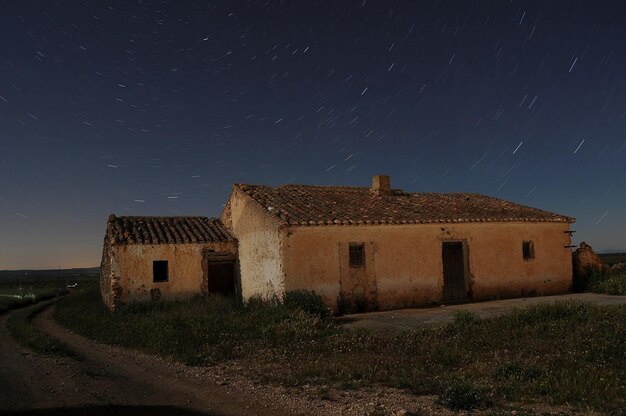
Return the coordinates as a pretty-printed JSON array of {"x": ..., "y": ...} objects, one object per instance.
[
  {"x": 454, "y": 285},
  {"x": 221, "y": 277}
]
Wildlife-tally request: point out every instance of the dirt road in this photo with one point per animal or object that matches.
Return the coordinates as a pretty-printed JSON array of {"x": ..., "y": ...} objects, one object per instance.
[
  {"x": 106, "y": 376},
  {"x": 110, "y": 380}
]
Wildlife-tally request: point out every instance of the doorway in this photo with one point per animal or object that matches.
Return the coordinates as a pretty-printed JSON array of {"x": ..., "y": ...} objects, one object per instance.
[
  {"x": 454, "y": 271},
  {"x": 221, "y": 277}
]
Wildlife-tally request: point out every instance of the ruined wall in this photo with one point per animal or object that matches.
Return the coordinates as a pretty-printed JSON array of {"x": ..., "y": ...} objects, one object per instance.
[
  {"x": 106, "y": 274},
  {"x": 260, "y": 258},
  {"x": 132, "y": 268},
  {"x": 407, "y": 260},
  {"x": 585, "y": 262}
]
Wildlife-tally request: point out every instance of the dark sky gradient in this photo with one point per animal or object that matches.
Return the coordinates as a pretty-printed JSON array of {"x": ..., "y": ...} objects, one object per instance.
[{"x": 156, "y": 108}]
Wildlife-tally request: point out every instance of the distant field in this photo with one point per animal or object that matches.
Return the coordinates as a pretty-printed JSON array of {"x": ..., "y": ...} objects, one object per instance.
[
  {"x": 49, "y": 275},
  {"x": 13, "y": 295},
  {"x": 613, "y": 258}
]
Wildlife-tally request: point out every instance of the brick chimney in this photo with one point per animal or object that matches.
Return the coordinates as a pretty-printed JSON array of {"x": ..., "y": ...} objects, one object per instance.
[{"x": 381, "y": 184}]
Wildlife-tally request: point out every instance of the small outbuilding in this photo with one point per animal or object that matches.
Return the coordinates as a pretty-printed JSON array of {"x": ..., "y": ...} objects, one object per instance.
[{"x": 145, "y": 258}]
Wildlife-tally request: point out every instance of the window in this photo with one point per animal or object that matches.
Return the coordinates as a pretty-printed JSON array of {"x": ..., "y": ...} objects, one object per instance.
[
  {"x": 528, "y": 250},
  {"x": 357, "y": 255},
  {"x": 159, "y": 271}
]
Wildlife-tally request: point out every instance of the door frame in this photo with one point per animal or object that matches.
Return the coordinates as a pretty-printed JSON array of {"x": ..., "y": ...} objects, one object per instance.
[
  {"x": 210, "y": 256},
  {"x": 466, "y": 270}
]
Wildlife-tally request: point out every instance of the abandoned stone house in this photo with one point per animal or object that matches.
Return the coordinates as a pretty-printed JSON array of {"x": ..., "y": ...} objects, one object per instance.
[{"x": 377, "y": 246}]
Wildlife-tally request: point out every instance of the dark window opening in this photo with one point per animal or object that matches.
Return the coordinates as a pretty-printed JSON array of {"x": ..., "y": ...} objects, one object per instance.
[
  {"x": 528, "y": 250},
  {"x": 159, "y": 271},
  {"x": 357, "y": 255}
]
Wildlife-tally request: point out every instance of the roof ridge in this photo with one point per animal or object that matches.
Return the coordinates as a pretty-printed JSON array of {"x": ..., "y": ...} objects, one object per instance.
[
  {"x": 346, "y": 205},
  {"x": 162, "y": 216},
  {"x": 295, "y": 185},
  {"x": 359, "y": 188}
]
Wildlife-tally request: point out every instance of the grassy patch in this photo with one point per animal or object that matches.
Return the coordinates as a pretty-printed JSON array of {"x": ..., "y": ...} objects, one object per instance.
[
  {"x": 559, "y": 353},
  {"x": 15, "y": 295},
  {"x": 26, "y": 334},
  {"x": 460, "y": 394},
  {"x": 610, "y": 282},
  {"x": 611, "y": 285}
]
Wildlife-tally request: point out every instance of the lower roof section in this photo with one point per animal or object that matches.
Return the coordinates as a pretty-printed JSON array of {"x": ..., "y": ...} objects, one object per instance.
[{"x": 166, "y": 230}]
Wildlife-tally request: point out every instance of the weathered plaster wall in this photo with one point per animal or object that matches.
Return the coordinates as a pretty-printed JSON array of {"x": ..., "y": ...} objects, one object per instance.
[
  {"x": 406, "y": 260},
  {"x": 106, "y": 275},
  {"x": 260, "y": 260},
  {"x": 132, "y": 267}
]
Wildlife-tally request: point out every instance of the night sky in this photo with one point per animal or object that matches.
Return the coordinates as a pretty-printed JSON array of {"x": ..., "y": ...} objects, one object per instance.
[{"x": 157, "y": 107}]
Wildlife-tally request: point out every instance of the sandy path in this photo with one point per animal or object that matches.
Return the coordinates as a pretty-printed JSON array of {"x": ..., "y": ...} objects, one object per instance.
[{"x": 107, "y": 375}]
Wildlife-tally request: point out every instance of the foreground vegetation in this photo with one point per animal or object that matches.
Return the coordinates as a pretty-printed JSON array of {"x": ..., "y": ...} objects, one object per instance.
[
  {"x": 570, "y": 353},
  {"x": 611, "y": 281}
]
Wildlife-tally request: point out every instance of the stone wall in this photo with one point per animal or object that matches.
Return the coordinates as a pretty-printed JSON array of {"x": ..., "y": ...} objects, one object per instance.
[{"x": 584, "y": 262}]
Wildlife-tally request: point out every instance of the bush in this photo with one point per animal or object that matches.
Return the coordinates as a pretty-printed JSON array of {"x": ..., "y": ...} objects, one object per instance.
[
  {"x": 518, "y": 372},
  {"x": 609, "y": 283},
  {"x": 465, "y": 318},
  {"x": 307, "y": 301},
  {"x": 343, "y": 305},
  {"x": 462, "y": 395}
]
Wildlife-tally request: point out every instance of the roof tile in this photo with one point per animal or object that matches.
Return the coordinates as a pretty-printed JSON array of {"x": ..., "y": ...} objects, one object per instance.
[
  {"x": 166, "y": 230},
  {"x": 326, "y": 205}
]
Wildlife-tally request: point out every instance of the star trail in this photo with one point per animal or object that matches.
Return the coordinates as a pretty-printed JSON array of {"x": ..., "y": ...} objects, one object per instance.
[{"x": 157, "y": 107}]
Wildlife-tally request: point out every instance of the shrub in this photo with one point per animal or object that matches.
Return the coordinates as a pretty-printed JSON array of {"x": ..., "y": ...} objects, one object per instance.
[
  {"x": 459, "y": 394},
  {"x": 611, "y": 283},
  {"x": 343, "y": 305},
  {"x": 465, "y": 318},
  {"x": 518, "y": 372},
  {"x": 307, "y": 301}
]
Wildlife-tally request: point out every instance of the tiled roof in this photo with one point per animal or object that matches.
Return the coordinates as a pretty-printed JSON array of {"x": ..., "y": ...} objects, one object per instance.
[
  {"x": 166, "y": 230},
  {"x": 333, "y": 205}
]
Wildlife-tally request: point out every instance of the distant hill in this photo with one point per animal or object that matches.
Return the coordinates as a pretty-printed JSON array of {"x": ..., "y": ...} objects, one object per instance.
[
  {"x": 612, "y": 258},
  {"x": 52, "y": 274}
]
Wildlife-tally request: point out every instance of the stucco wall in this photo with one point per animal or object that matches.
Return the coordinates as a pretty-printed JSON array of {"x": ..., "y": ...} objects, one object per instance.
[
  {"x": 132, "y": 267},
  {"x": 260, "y": 260},
  {"x": 406, "y": 260},
  {"x": 106, "y": 275}
]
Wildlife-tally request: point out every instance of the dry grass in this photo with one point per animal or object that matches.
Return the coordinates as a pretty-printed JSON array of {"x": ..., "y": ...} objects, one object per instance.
[{"x": 560, "y": 353}]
